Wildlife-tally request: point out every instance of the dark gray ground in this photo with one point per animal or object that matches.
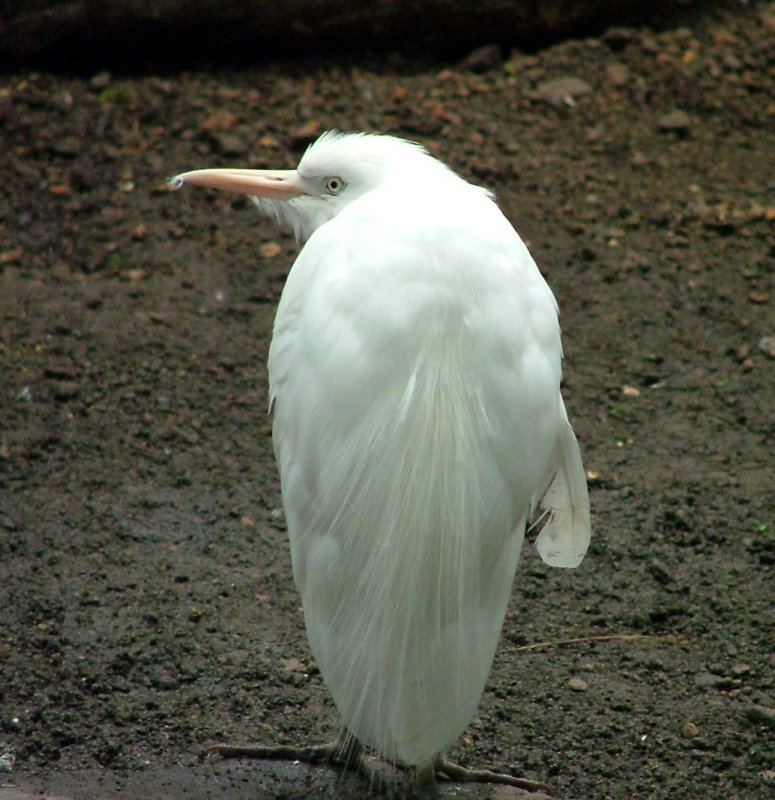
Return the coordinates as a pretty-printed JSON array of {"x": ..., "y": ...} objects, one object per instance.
[{"x": 146, "y": 598}]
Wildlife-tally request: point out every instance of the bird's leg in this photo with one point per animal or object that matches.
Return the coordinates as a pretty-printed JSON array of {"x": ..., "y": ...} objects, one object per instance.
[
  {"x": 346, "y": 752},
  {"x": 421, "y": 777},
  {"x": 444, "y": 768}
]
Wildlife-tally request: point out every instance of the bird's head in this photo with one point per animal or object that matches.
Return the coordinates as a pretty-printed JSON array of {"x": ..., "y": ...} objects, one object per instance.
[{"x": 335, "y": 170}]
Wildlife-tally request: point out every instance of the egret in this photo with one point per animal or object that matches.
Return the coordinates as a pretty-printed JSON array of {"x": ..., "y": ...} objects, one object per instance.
[{"x": 414, "y": 380}]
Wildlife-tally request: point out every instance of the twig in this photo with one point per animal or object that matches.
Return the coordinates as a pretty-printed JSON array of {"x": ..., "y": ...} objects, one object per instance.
[{"x": 613, "y": 637}]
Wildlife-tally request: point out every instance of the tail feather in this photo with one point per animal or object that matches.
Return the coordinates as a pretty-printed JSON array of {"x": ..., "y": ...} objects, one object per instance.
[{"x": 564, "y": 539}]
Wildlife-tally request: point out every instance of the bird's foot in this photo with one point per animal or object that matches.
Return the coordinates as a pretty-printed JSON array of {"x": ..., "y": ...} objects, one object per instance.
[
  {"x": 346, "y": 753},
  {"x": 444, "y": 768}
]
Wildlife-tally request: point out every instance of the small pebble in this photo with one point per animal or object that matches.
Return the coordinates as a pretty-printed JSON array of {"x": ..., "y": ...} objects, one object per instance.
[
  {"x": 675, "y": 121},
  {"x": 659, "y": 572},
  {"x": 708, "y": 680},
  {"x": 762, "y": 715},
  {"x": 229, "y": 145},
  {"x": 618, "y": 38},
  {"x": 101, "y": 81},
  {"x": 304, "y": 135},
  {"x": 269, "y": 249},
  {"x": 482, "y": 59},
  {"x": 561, "y": 92},
  {"x": 66, "y": 390},
  {"x": 293, "y": 665},
  {"x": 767, "y": 345},
  {"x": 618, "y": 74},
  {"x": 69, "y": 146}
]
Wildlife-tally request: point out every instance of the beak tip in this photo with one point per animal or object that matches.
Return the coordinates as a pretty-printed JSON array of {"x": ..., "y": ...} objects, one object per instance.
[{"x": 279, "y": 184}]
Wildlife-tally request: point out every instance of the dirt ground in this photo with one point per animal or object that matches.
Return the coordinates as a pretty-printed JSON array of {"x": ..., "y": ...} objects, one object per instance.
[{"x": 146, "y": 596}]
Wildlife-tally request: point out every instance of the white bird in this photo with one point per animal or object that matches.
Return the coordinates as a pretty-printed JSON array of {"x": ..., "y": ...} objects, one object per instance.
[{"x": 414, "y": 378}]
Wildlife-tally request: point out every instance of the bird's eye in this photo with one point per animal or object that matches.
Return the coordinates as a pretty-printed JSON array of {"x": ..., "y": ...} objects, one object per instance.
[{"x": 334, "y": 185}]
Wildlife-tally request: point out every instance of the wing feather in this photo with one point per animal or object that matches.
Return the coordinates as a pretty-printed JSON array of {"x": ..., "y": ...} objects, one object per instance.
[{"x": 565, "y": 537}]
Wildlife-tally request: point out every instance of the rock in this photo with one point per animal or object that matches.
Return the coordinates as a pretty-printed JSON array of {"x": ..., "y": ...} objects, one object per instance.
[
  {"x": 561, "y": 92},
  {"x": 222, "y": 120},
  {"x": 306, "y": 134},
  {"x": 7, "y": 761},
  {"x": 66, "y": 390},
  {"x": 689, "y": 730},
  {"x": 482, "y": 59},
  {"x": 69, "y": 146},
  {"x": 269, "y": 249},
  {"x": 293, "y": 665},
  {"x": 228, "y": 144},
  {"x": 578, "y": 685},
  {"x": 759, "y": 714},
  {"x": 676, "y": 121},
  {"x": 101, "y": 81},
  {"x": 618, "y": 74},
  {"x": 659, "y": 572},
  {"x": 618, "y": 38},
  {"x": 709, "y": 680},
  {"x": 767, "y": 345},
  {"x": 732, "y": 62}
]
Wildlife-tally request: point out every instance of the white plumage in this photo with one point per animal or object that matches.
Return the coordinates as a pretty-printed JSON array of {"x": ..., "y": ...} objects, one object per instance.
[{"x": 415, "y": 382}]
